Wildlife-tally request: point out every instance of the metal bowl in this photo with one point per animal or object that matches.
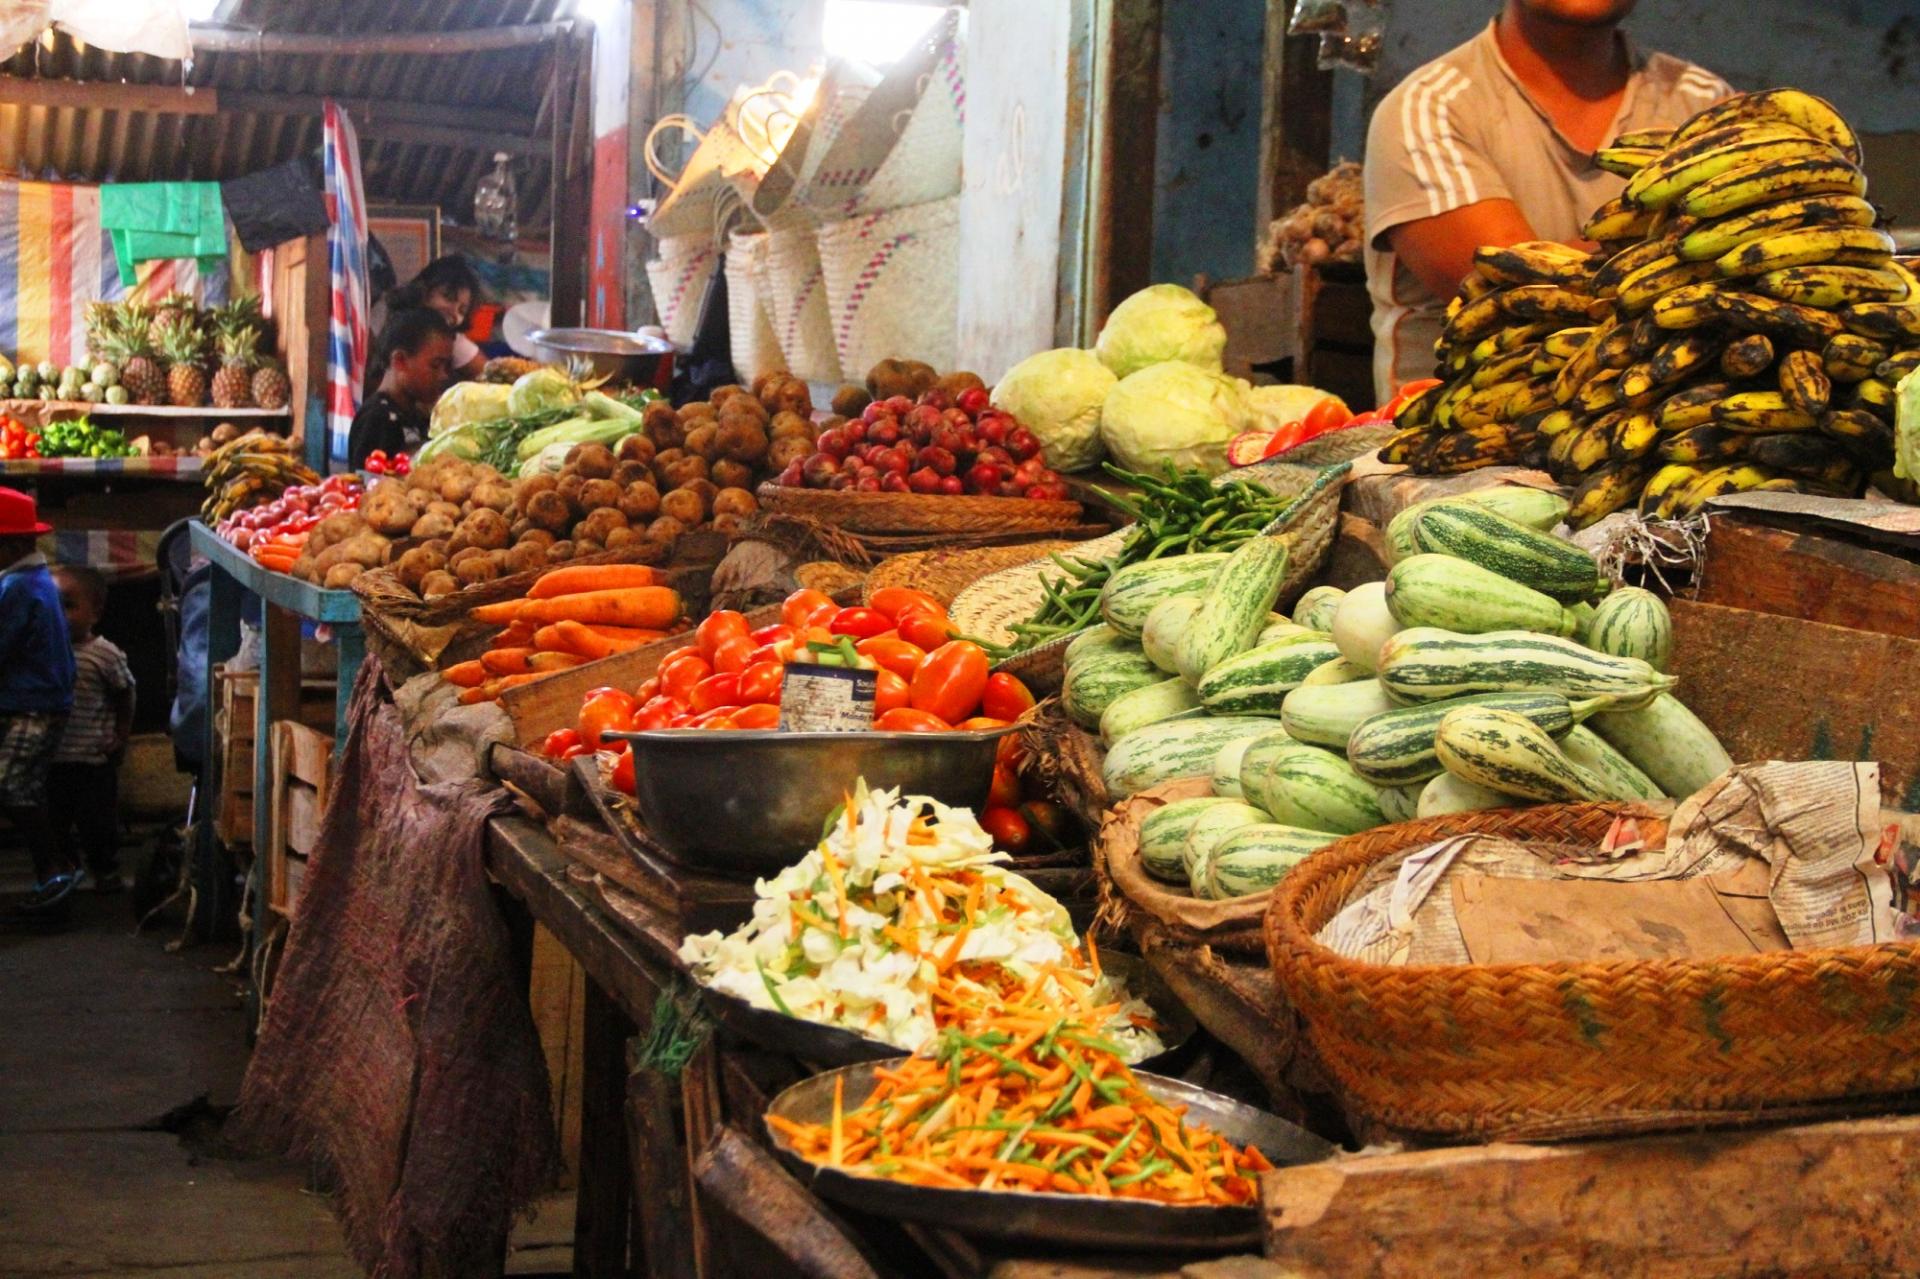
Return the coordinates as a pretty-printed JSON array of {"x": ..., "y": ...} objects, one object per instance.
[
  {"x": 1082, "y": 1220},
  {"x": 621, "y": 357},
  {"x": 748, "y": 804}
]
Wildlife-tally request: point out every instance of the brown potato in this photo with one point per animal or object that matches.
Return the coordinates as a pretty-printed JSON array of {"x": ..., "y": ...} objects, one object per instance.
[
  {"x": 730, "y": 525},
  {"x": 495, "y": 495},
  {"x": 954, "y": 383},
  {"x": 667, "y": 457},
  {"x": 788, "y": 451},
  {"x": 594, "y": 461},
  {"x": 721, "y": 394},
  {"x": 686, "y": 470},
  {"x": 518, "y": 529},
  {"x": 387, "y": 509},
  {"x": 790, "y": 395},
  {"x": 450, "y": 510},
  {"x": 663, "y": 426},
  {"x": 550, "y": 511},
  {"x": 413, "y": 567},
  {"x": 597, "y": 525},
  {"x": 341, "y": 526},
  {"x": 478, "y": 569},
  {"x": 759, "y": 387},
  {"x": 539, "y": 537},
  {"x": 438, "y": 545},
  {"x": 734, "y": 501},
  {"x": 485, "y": 528},
  {"x": 524, "y": 557},
  {"x": 499, "y": 561},
  {"x": 632, "y": 471},
  {"x": 792, "y": 426},
  {"x": 743, "y": 441},
  {"x": 438, "y": 583},
  {"x": 706, "y": 489},
  {"x": 697, "y": 409},
  {"x": 640, "y": 501},
  {"x": 598, "y": 493},
  {"x": 636, "y": 448},
  {"x": 621, "y": 539},
  {"x": 530, "y": 487},
  {"x": 683, "y": 505},
  {"x": 457, "y": 486},
  {"x": 851, "y": 399},
  {"x": 703, "y": 441},
  {"x": 586, "y": 546},
  {"x": 730, "y": 475},
  {"x": 666, "y": 530},
  {"x": 463, "y": 554},
  {"x": 569, "y": 489},
  {"x": 560, "y": 552}
]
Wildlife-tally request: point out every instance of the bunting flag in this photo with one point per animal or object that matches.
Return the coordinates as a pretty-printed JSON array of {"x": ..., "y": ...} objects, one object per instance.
[
  {"x": 55, "y": 259},
  {"x": 347, "y": 266}
]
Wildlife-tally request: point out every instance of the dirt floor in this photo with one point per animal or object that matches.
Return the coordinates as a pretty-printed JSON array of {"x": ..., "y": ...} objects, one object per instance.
[{"x": 117, "y": 1059}]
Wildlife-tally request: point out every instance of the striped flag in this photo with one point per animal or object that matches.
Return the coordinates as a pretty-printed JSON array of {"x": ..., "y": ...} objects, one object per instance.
[{"x": 347, "y": 265}]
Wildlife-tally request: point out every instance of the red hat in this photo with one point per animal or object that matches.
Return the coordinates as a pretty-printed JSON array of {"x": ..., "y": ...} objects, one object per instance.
[{"x": 19, "y": 516}]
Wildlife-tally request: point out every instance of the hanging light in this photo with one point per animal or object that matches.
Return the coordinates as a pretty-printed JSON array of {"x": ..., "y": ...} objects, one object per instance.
[{"x": 876, "y": 32}]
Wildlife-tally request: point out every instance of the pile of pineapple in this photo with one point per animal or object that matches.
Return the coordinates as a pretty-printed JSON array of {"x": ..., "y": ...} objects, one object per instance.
[{"x": 160, "y": 354}]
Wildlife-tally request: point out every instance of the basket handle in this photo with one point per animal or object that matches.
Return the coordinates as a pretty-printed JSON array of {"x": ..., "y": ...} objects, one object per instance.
[{"x": 685, "y": 124}]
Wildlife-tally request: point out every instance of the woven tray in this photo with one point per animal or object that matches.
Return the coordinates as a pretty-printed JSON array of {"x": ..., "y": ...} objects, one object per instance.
[
  {"x": 991, "y": 606},
  {"x": 1482, "y": 1052},
  {"x": 919, "y": 512},
  {"x": 944, "y": 574},
  {"x": 1338, "y": 446},
  {"x": 1128, "y": 892}
]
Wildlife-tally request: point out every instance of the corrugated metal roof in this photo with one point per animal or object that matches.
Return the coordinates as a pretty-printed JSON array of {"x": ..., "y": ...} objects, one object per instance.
[{"x": 501, "y": 85}]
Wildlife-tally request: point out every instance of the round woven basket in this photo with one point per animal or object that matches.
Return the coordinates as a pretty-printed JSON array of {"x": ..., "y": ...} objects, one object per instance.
[
  {"x": 919, "y": 512},
  {"x": 1127, "y": 891},
  {"x": 1569, "y": 1049},
  {"x": 943, "y": 574}
]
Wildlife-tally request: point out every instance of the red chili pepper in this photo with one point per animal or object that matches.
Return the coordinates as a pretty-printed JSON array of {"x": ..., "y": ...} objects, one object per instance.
[
  {"x": 1005, "y": 697},
  {"x": 861, "y": 623},
  {"x": 904, "y": 719},
  {"x": 950, "y": 681}
]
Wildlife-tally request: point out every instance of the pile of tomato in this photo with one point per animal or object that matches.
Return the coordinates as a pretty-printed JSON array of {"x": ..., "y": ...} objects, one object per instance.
[
  {"x": 17, "y": 441},
  {"x": 927, "y": 680}
]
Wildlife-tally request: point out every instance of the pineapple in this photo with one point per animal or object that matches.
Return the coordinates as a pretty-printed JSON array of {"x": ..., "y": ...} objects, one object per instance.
[
  {"x": 239, "y": 351},
  {"x": 127, "y": 345},
  {"x": 102, "y": 319},
  {"x": 183, "y": 346},
  {"x": 271, "y": 387},
  {"x": 165, "y": 310}
]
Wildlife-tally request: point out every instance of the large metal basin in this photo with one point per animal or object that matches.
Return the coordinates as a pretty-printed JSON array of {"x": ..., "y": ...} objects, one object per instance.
[{"x": 621, "y": 357}]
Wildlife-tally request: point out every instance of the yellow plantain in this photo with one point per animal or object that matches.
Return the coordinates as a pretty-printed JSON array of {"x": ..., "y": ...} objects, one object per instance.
[
  {"x": 1804, "y": 246},
  {"x": 1659, "y": 277},
  {"x": 1475, "y": 319},
  {"x": 1897, "y": 365},
  {"x": 1719, "y": 482},
  {"x": 1555, "y": 422},
  {"x": 1656, "y": 138},
  {"x": 1747, "y": 356},
  {"x": 1606, "y": 280},
  {"x": 1591, "y": 444},
  {"x": 1885, "y": 321},
  {"x": 1814, "y": 116},
  {"x": 1687, "y": 307},
  {"x": 1564, "y": 344},
  {"x": 1771, "y": 180},
  {"x": 1706, "y": 443},
  {"x": 1684, "y": 167},
  {"x": 1848, "y": 357},
  {"x": 1861, "y": 433},
  {"x": 1800, "y": 325},
  {"x": 1607, "y": 490},
  {"x": 1625, "y": 161},
  {"x": 1691, "y": 407},
  {"x": 1829, "y": 287},
  {"x": 1551, "y": 303},
  {"x": 1678, "y": 356},
  {"x": 1503, "y": 368},
  {"x": 1874, "y": 395},
  {"x": 1601, "y": 393},
  {"x": 1634, "y": 436},
  {"x": 1533, "y": 262},
  {"x": 1804, "y": 382},
  {"x": 1761, "y": 412},
  {"x": 1617, "y": 219},
  {"x": 1663, "y": 481},
  {"x": 1718, "y": 236}
]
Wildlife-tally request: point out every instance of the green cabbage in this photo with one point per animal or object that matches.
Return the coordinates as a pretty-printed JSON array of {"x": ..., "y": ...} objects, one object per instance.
[
  {"x": 466, "y": 402},
  {"x": 541, "y": 390},
  {"x": 1175, "y": 413},
  {"x": 1159, "y": 323},
  {"x": 1057, "y": 395},
  {"x": 1272, "y": 407},
  {"x": 1906, "y": 430}
]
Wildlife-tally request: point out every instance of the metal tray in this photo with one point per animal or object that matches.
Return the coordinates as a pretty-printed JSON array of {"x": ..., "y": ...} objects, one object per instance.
[
  {"x": 1080, "y": 1220},
  {"x": 829, "y": 1046}
]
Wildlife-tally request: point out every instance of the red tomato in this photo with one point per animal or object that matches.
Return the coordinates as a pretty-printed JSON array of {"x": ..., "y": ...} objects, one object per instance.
[
  {"x": 895, "y": 600},
  {"x": 807, "y": 608},
  {"x": 720, "y": 717},
  {"x": 927, "y": 630},
  {"x": 950, "y": 681},
  {"x": 648, "y": 690},
  {"x": 1005, "y": 792},
  {"x": 1325, "y": 416},
  {"x": 715, "y": 691},
  {"x": 1050, "y": 820},
  {"x": 861, "y": 623},
  {"x": 1005, "y": 697},
  {"x": 983, "y": 723},
  {"x": 559, "y": 741},
  {"x": 761, "y": 681},
  {"x": 1009, "y": 829},
  {"x": 677, "y": 677},
  {"x": 623, "y": 772},
  {"x": 774, "y": 634},
  {"x": 605, "y": 710},
  {"x": 760, "y": 716},
  {"x": 781, "y": 651},
  {"x": 894, "y": 654},
  {"x": 685, "y": 650},
  {"x": 733, "y": 654},
  {"x": 889, "y": 694},
  {"x": 904, "y": 719},
  {"x": 659, "y": 712},
  {"x": 720, "y": 626}
]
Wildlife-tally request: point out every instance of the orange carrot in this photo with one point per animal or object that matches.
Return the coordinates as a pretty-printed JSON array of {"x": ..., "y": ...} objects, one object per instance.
[
  {"x": 540, "y": 662},
  {"x": 589, "y": 643},
  {"x": 518, "y": 635},
  {"x": 498, "y": 614},
  {"x": 577, "y": 578},
  {"x": 506, "y": 661},
  {"x": 466, "y": 674},
  {"x": 651, "y": 607}
]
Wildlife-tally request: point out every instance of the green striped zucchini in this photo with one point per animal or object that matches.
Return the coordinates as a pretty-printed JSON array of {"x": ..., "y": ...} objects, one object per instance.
[
  {"x": 1326, "y": 714},
  {"x": 1315, "y": 608},
  {"x": 1582, "y": 619},
  {"x": 1169, "y": 699},
  {"x": 1535, "y": 508},
  {"x": 1279, "y": 628},
  {"x": 1226, "y": 769},
  {"x": 1234, "y": 609},
  {"x": 1632, "y": 622},
  {"x": 1255, "y": 858},
  {"x": 1096, "y": 641},
  {"x": 1308, "y": 786},
  {"x": 1449, "y": 794},
  {"x": 1509, "y": 753},
  {"x": 1160, "y": 636},
  {"x": 1458, "y": 595},
  {"x": 1258, "y": 680},
  {"x": 1395, "y": 748},
  {"x": 1131, "y": 592},
  {"x": 1507, "y": 547},
  {"x": 1337, "y": 671},
  {"x": 1668, "y": 743},
  {"x": 1426, "y": 664},
  {"x": 1401, "y": 803},
  {"x": 1163, "y": 837},
  {"x": 1590, "y": 751},
  {"x": 1093, "y": 684},
  {"x": 1175, "y": 748},
  {"x": 1208, "y": 829}
]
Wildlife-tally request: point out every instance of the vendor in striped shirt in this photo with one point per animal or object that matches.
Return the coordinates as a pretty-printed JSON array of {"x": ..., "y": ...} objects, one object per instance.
[{"x": 1492, "y": 143}]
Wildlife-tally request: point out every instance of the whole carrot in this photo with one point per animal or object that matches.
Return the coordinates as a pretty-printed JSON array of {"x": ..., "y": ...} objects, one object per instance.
[
  {"x": 577, "y": 578},
  {"x": 649, "y": 607},
  {"x": 506, "y": 661}
]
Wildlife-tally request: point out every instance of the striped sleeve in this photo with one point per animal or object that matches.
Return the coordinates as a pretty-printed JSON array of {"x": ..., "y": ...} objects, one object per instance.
[
  {"x": 1423, "y": 159},
  {"x": 1700, "y": 88}
]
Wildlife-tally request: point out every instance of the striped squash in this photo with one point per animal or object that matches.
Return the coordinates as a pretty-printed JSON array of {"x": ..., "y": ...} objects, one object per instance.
[
  {"x": 1449, "y": 794},
  {"x": 1169, "y": 699},
  {"x": 1163, "y": 837},
  {"x": 1307, "y": 786},
  {"x": 1632, "y": 622},
  {"x": 1208, "y": 829},
  {"x": 1668, "y": 743},
  {"x": 1458, "y": 595},
  {"x": 1258, "y": 680},
  {"x": 1175, "y": 748},
  {"x": 1395, "y": 747},
  {"x": 1590, "y": 751},
  {"x": 1509, "y": 753},
  {"x": 1235, "y": 607},
  {"x": 1425, "y": 664},
  {"x": 1535, "y": 508},
  {"x": 1326, "y": 714},
  {"x": 1255, "y": 858},
  {"x": 1315, "y": 609},
  {"x": 1095, "y": 683},
  {"x": 1160, "y": 636},
  {"x": 1131, "y": 593},
  {"x": 1520, "y": 554}
]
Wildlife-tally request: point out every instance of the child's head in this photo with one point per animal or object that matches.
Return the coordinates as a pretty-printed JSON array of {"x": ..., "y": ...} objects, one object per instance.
[
  {"x": 83, "y": 597},
  {"x": 419, "y": 350}
]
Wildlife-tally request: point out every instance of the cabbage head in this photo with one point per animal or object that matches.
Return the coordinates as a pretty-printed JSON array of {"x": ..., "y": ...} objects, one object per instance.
[
  {"x": 465, "y": 402},
  {"x": 542, "y": 389},
  {"x": 1906, "y": 430},
  {"x": 1173, "y": 412},
  {"x": 1057, "y": 395},
  {"x": 1272, "y": 407},
  {"x": 1159, "y": 323}
]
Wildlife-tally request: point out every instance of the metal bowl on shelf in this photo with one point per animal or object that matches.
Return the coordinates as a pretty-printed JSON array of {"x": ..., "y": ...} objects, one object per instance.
[
  {"x": 617, "y": 355},
  {"x": 747, "y": 804}
]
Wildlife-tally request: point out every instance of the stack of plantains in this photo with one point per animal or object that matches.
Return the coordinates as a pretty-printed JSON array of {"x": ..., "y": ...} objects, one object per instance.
[{"x": 1746, "y": 325}]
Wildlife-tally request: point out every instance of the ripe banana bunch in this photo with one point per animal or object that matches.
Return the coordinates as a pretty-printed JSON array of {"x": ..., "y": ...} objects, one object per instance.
[{"x": 249, "y": 470}]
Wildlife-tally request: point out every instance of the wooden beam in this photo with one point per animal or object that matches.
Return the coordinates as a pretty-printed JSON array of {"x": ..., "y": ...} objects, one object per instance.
[
  {"x": 1123, "y": 237},
  {"x": 108, "y": 96},
  {"x": 439, "y": 135},
  {"x": 571, "y": 177},
  {"x": 1300, "y": 114},
  {"x": 214, "y": 39},
  {"x": 385, "y": 111}
]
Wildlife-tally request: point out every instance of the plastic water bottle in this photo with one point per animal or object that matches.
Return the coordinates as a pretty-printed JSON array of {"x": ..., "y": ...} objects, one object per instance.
[{"x": 495, "y": 209}]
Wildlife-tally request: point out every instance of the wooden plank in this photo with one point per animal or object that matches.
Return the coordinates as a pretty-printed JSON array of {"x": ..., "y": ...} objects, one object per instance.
[
  {"x": 786, "y": 1230},
  {"x": 605, "y": 1198},
  {"x": 1299, "y": 112},
  {"x": 1823, "y": 1200},
  {"x": 1122, "y": 204},
  {"x": 1810, "y": 575},
  {"x": 556, "y": 994},
  {"x": 381, "y": 111},
  {"x": 572, "y": 179},
  {"x": 80, "y": 95},
  {"x": 662, "y": 1192}
]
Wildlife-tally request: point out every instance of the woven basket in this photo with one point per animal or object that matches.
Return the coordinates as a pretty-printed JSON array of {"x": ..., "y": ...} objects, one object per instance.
[
  {"x": 1338, "y": 446},
  {"x": 1572, "y": 1049},
  {"x": 943, "y": 574},
  {"x": 1127, "y": 891},
  {"x": 679, "y": 277},
  {"x": 893, "y": 284},
  {"x": 794, "y": 289},
  {"x": 755, "y": 347},
  {"x": 990, "y": 608},
  {"x": 919, "y": 512}
]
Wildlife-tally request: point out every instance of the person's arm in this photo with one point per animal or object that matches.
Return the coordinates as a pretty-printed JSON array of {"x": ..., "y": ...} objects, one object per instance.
[
  {"x": 468, "y": 358},
  {"x": 1439, "y": 250},
  {"x": 122, "y": 720}
]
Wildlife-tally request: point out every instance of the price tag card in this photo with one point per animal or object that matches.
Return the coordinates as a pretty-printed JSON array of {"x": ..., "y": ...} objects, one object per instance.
[{"x": 826, "y": 699}]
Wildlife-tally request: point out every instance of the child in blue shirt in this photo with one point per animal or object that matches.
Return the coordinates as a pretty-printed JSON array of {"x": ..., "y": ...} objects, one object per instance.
[{"x": 36, "y": 690}]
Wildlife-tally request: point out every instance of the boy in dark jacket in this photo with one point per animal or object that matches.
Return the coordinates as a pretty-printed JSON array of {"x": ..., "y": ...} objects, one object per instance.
[{"x": 36, "y": 691}]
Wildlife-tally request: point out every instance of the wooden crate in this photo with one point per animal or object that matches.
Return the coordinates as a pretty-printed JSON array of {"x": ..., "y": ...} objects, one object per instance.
[
  {"x": 233, "y": 727},
  {"x": 302, "y": 766}
]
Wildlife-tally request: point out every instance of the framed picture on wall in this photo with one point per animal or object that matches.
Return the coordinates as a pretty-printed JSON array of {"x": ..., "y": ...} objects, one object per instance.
[{"x": 409, "y": 232}]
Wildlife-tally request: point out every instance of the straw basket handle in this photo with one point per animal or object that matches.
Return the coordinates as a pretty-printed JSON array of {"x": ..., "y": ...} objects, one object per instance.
[
  {"x": 686, "y": 125},
  {"x": 757, "y": 134}
]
